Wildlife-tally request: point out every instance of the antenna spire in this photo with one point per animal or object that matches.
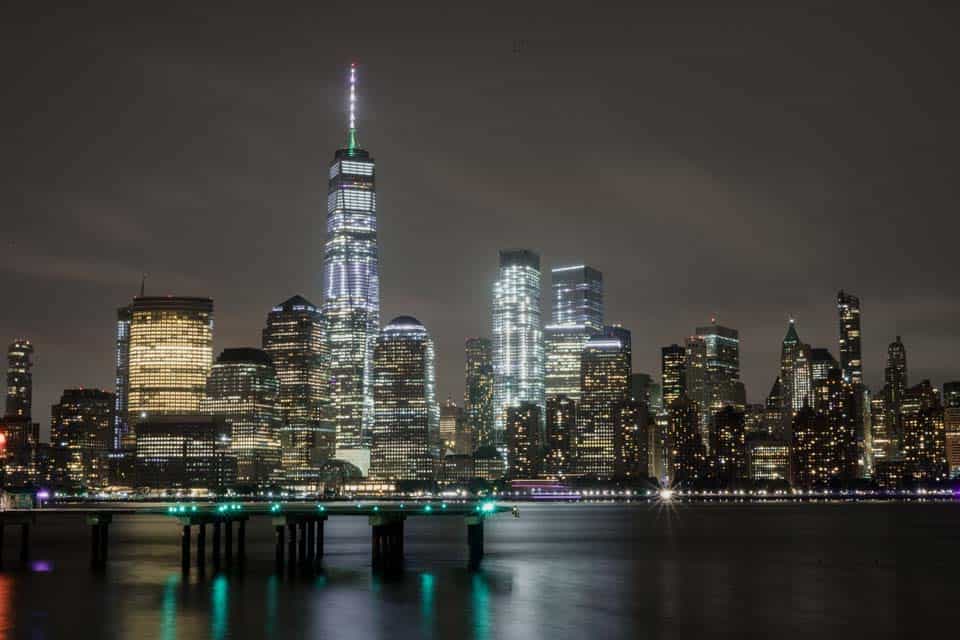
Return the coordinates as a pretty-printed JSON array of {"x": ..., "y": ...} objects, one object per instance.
[
  {"x": 352, "y": 133},
  {"x": 143, "y": 283}
]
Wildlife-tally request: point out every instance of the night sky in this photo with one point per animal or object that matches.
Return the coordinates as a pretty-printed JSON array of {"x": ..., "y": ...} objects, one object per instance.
[{"x": 746, "y": 163}]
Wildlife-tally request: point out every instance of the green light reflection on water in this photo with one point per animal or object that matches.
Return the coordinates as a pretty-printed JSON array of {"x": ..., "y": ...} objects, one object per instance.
[
  {"x": 480, "y": 607},
  {"x": 273, "y": 584},
  {"x": 427, "y": 586},
  {"x": 168, "y": 609},
  {"x": 220, "y": 606}
]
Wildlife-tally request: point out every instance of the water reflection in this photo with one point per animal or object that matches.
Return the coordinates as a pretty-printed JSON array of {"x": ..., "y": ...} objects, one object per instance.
[
  {"x": 219, "y": 607},
  {"x": 480, "y": 606},
  {"x": 168, "y": 609},
  {"x": 6, "y": 606},
  {"x": 426, "y": 604},
  {"x": 270, "y": 609}
]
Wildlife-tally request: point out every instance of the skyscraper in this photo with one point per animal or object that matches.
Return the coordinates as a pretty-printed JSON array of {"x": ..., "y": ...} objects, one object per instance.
[
  {"x": 789, "y": 350},
  {"x": 81, "y": 433},
  {"x": 524, "y": 443},
  {"x": 673, "y": 362},
  {"x": 924, "y": 442},
  {"x": 821, "y": 363},
  {"x": 561, "y": 435},
  {"x": 171, "y": 351},
  {"x": 686, "y": 451},
  {"x": 19, "y": 380},
  {"x": 518, "y": 363},
  {"x": 407, "y": 418},
  {"x": 605, "y": 382},
  {"x": 122, "y": 378},
  {"x": 294, "y": 340},
  {"x": 478, "y": 391},
  {"x": 721, "y": 381},
  {"x": 951, "y": 426},
  {"x": 631, "y": 440},
  {"x": 728, "y": 445},
  {"x": 451, "y": 418},
  {"x": 851, "y": 365},
  {"x": 577, "y": 314},
  {"x": 243, "y": 389},
  {"x": 894, "y": 389},
  {"x": 351, "y": 286}
]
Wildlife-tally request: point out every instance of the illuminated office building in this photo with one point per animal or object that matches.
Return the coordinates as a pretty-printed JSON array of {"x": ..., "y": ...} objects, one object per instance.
[
  {"x": 768, "y": 459},
  {"x": 294, "y": 340},
  {"x": 631, "y": 440},
  {"x": 951, "y": 426},
  {"x": 722, "y": 366},
  {"x": 698, "y": 389},
  {"x": 451, "y": 423},
  {"x": 687, "y": 455},
  {"x": 243, "y": 389},
  {"x": 351, "y": 287},
  {"x": 577, "y": 314},
  {"x": 821, "y": 363},
  {"x": 561, "y": 435},
  {"x": 518, "y": 363},
  {"x": 851, "y": 364},
  {"x": 171, "y": 351},
  {"x": 728, "y": 445},
  {"x": 813, "y": 463},
  {"x": 478, "y": 390},
  {"x": 895, "y": 387},
  {"x": 605, "y": 385},
  {"x": 81, "y": 431},
  {"x": 121, "y": 429},
  {"x": 773, "y": 412},
  {"x": 789, "y": 351},
  {"x": 924, "y": 441},
  {"x": 184, "y": 452},
  {"x": 19, "y": 380},
  {"x": 407, "y": 419},
  {"x": 523, "y": 439},
  {"x": 673, "y": 362},
  {"x": 882, "y": 440},
  {"x": 951, "y": 394}
]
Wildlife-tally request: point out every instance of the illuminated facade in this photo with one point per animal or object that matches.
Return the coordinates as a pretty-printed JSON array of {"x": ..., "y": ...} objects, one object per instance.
[
  {"x": 728, "y": 445},
  {"x": 184, "y": 452},
  {"x": 478, "y": 391},
  {"x": 524, "y": 444},
  {"x": 351, "y": 288},
  {"x": 813, "y": 460},
  {"x": 171, "y": 351},
  {"x": 518, "y": 361},
  {"x": 121, "y": 381},
  {"x": 924, "y": 441},
  {"x": 851, "y": 364},
  {"x": 451, "y": 420},
  {"x": 19, "y": 380},
  {"x": 951, "y": 426},
  {"x": 768, "y": 459},
  {"x": 81, "y": 431},
  {"x": 577, "y": 314},
  {"x": 789, "y": 350},
  {"x": 631, "y": 440},
  {"x": 561, "y": 435},
  {"x": 294, "y": 340},
  {"x": 407, "y": 418},
  {"x": 605, "y": 371},
  {"x": 895, "y": 387},
  {"x": 243, "y": 389},
  {"x": 673, "y": 362},
  {"x": 687, "y": 456}
]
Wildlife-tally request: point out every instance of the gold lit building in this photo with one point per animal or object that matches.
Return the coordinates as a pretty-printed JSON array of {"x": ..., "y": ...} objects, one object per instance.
[{"x": 171, "y": 351}]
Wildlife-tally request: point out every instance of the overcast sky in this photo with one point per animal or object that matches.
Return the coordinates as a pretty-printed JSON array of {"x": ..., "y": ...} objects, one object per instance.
[{"x": 741, "y": 162}]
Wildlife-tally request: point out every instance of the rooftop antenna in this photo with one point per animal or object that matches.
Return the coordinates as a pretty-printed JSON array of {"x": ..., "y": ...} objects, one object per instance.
[
  {"x": 143, "y": 284},
  {"x": 352, "y": 134}
]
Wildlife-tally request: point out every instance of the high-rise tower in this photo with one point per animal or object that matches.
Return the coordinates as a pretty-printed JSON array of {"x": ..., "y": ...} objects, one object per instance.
[
  {"x": 19, "y": 380},
  {"x": 851, "y": 365},
  {"x": 351, "y": 287},
  {"x": 517, "y": 337},
  {"x": 577, "y": 315},
  {"x": 478, "y": 393}
]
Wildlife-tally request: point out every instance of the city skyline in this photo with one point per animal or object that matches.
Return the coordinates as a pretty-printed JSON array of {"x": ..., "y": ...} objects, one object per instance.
[{"x": 141, "y": 210}]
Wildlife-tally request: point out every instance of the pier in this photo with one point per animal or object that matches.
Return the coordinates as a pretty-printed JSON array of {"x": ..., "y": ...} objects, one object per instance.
[{"x": 298, "y": 527}]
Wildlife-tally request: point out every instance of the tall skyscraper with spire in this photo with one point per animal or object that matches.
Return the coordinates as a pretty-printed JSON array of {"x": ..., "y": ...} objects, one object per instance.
[{"x": 351, "y": 287}]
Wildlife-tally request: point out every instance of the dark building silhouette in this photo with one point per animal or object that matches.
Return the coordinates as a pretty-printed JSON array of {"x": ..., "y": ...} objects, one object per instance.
[
  {"x": 687, "y": 454},
  {"x": 851, "y": 364},
  {"x": 184, "y": 452},
  {"x": 81, "y": 434},
  {"x": 924, "y": 441},
  {"x": 19, "y": 398},
  {"x": 895, "y": 387}
]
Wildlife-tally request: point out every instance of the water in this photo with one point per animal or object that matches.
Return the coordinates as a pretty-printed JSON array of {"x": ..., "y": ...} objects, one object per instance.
[{"x": 560, "y": 571}]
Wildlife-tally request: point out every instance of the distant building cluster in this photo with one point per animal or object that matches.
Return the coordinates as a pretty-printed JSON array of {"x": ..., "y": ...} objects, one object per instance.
[{"x": 331, "y": 400}]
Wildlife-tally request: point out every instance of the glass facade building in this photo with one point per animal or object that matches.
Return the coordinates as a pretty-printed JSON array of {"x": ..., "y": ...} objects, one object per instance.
[
  {"x": 243, "y": 389},
  {"x": 121, "y": 381},
  {"x": 577, "y": 315},
  {"x": 518, "y": 361},
  {"x": 81, "y": 433},
  {"x": 170, "y": 355},
  {"x": 605, "y": 382},
  {"x": 673, "y": 368},
  {"x": 407, "y": 418},
  {"x": 478, "y": 391},
  {"x": 294, "y": 340},
  {"x": 851, "y": 364},
  {"x": 351, "y": 288}
]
